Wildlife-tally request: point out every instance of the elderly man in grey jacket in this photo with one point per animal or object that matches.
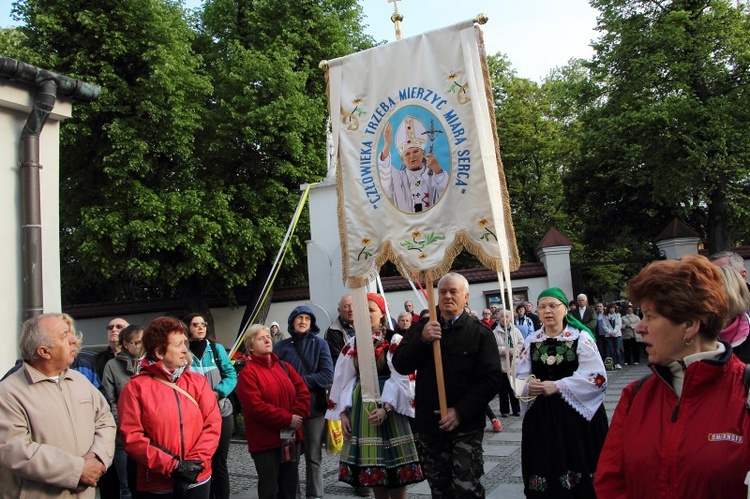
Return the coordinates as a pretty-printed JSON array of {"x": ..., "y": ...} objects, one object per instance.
[{"x": 57, "y": 435}]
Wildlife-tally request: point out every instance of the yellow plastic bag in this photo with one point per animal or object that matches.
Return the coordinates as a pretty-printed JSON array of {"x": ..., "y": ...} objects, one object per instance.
[{"x": 334, "y": 437}]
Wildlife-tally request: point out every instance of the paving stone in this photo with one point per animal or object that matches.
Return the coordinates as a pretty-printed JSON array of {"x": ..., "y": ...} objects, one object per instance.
[{"x": 500, "y": 450}]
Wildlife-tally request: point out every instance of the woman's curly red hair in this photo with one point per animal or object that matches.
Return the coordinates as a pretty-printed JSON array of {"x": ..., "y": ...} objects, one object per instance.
[
  {"x": 685, "y": 289},
  {"x": 156, "y": 336}
]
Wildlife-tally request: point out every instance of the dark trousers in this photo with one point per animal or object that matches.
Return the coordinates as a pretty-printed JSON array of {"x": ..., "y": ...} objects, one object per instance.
[
  {"x": 506, "y": 394},
  {"x": 614, "y": 349},
  {"x": 219, "y": 470},
  {"x": 109, "y": 483},
  {"x": 453, "y": 465},
  {"x": 276, "y": 479},
  {"x": 489, "y": 413},
  {"x": 632, "y": 351},
  {"x": 199, "y": 492},
  {"x": 601, "y": 345}
]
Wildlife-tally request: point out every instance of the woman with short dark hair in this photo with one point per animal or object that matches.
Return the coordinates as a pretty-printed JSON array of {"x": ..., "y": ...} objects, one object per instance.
[
  {"x": 169, "y": 419},
  {"x": 210, "y": 359},
  {"x": 686, "y": 423}
]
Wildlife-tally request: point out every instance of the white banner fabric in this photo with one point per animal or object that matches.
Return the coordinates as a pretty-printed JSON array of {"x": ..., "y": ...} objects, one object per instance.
[{"x": 418, "y": 174}]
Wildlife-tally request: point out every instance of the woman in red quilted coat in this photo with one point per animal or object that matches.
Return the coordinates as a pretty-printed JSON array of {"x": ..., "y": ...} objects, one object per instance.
[{"x": 275, "y": 400}]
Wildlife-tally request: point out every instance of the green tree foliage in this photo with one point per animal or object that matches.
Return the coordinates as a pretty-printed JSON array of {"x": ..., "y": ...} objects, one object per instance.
[
  {"x": 539, "y": 128},
  {"x": 267, "y": 113},
  {"x": 132, "y": 209},
  {"x": 182, "y": 178},
  {"x": 667, "y": 134},
  {"x": 537, "y": 141}
]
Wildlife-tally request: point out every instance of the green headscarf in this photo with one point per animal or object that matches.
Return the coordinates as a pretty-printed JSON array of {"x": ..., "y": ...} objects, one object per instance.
[{"x": 569, "y": 318}]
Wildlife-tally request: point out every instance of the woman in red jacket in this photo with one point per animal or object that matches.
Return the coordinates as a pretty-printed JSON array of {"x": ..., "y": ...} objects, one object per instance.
[
  {"x": 169, "y": 419},
  {"x": 275, "y": 402},
  {"x": 683, "y": 431}
]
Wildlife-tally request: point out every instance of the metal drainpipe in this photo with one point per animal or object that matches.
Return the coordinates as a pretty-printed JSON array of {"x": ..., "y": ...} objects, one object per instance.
[{"x": 48, "y": 85}]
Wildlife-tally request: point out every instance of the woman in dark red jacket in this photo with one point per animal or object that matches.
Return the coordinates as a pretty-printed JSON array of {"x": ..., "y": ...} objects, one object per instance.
[
  {"x": 684, "y": 430},
  {"x": 275, "y": 401},
  {"x": 169, "y": 418}
]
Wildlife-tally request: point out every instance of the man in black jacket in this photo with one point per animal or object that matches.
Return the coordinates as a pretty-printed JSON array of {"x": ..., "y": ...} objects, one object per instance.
[
  {"x": 342, "y": 328},
  {"x": 450, "y": 447},
  {"x": 586, "y": 313}
]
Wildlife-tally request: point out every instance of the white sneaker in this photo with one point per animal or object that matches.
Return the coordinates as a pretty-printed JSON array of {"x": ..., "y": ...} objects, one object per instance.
[
  {"x": 635, "y": 363},
  {"x": 618, "y": 366}
]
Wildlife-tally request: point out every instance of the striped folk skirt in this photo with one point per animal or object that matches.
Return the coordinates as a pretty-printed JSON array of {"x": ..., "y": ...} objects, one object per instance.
[{"x": 378, "y": 456}]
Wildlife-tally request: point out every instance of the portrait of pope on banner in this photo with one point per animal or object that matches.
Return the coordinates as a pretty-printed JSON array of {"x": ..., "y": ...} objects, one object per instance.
[{"x": 419, "y": 182}]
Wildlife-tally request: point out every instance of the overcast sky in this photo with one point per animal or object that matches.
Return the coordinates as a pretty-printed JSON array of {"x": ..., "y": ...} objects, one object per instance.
[{"x": 537, "y": 35}]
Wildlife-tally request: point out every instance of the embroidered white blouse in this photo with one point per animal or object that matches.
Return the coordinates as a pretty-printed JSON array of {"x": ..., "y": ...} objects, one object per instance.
[
  {"x": 584, "y": 390},
  {"x": 397, "y": 390}
]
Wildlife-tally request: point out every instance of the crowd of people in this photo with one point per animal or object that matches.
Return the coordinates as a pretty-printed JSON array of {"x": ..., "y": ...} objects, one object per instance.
[{"x": 152, "y": 416}]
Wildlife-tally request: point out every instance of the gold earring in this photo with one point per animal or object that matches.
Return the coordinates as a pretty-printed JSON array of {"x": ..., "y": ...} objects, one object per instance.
[{"x": 688, "y": 343}]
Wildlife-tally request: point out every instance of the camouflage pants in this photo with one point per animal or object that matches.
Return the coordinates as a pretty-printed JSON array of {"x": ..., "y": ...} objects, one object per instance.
[{"x": 453, "y": 464}]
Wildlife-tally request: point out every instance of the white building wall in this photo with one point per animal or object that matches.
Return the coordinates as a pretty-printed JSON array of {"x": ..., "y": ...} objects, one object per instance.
[
  {"x": 16, "y": 102},
  {"x": 227, "y": 320},
  {"x": 556, "y": 260},
  {"x": 674, "y": 249}
]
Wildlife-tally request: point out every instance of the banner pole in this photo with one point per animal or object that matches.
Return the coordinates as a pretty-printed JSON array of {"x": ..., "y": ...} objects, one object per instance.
[
  {"x": 274, "y": 270},
  {"x": 436, "y": 351}
]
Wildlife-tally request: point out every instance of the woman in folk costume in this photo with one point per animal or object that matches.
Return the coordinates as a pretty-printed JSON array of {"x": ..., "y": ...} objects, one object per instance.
[
  {"x": 564, "y": 421},
  {"x": 379, "y": 449}
]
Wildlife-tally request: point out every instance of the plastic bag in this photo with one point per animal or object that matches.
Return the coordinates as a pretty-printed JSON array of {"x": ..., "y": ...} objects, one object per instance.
[{"x": 334, "y": 436}]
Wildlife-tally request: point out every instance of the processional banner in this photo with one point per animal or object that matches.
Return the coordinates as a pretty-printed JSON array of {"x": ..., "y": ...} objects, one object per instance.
[
  {"x": 419, "y": 176},
  {"x": 418, "y": 172}
]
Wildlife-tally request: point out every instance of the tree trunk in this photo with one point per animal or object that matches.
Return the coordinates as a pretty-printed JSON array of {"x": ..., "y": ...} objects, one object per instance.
[
  {"x": 190, "y": 292},
  {"x": 717, "y": 227}
]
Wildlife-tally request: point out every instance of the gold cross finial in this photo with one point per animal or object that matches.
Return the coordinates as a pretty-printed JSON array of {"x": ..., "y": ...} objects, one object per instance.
[{"x": 396, "y": 17}]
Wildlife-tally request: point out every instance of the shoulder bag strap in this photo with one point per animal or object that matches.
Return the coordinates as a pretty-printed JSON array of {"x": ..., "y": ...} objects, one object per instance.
[
  {"x": 217, "y": 360},
  {"x": 286, "y": 370},
  {"x": 176, "y": 388},
  {"x": 299, "y": 354}
]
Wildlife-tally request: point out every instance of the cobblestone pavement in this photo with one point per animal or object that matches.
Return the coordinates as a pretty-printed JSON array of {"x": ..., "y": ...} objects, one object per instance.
[{"x": 502, "y": 455}]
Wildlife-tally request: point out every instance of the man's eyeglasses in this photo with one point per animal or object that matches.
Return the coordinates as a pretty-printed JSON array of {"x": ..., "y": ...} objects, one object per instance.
[
  {"x": 115, "y": 326},
  {"x": 198, "y": 324}
]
